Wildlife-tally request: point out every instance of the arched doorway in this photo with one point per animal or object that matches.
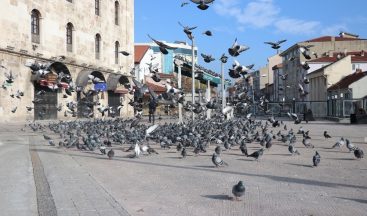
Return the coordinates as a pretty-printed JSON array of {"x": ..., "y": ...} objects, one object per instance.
[
  {"x": 89, "y": 84},
  {"x": 116, "y": 92},
  {"x": 46, "y": 89}
]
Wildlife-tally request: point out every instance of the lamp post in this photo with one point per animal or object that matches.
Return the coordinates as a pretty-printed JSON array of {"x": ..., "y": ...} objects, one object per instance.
[
  {"x": 193, "y": 74},
  {"x": 179, "y": 64},
  {"x": 223, "y": 60}
]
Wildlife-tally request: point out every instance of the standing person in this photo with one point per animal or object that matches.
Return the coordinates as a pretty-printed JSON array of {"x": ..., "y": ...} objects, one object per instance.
[{"x": 152, "y": 107}]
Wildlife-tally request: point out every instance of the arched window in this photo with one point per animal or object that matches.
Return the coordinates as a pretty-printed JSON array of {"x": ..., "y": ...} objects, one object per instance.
[
  {"x": 69, "y": 37},
  {"x": 98, "y": 45},
  {"x": 35, "y": 26},
  {"x": 117, "y": 48},
  {"x": 96, "y": 7},
  {"x": 117, "y": 12}
]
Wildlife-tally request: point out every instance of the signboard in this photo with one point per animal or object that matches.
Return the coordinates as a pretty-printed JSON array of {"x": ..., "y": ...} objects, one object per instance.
[
  {"x": 211, "y": 78},
  {"x": 100, "y": 86}
]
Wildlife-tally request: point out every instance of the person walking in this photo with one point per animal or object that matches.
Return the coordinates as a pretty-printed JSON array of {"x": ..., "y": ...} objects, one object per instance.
[{"x": 152, "y": 107}]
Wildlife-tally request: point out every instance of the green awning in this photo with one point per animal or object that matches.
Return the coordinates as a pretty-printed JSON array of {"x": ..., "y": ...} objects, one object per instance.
[{"x": 211, "y": 78}]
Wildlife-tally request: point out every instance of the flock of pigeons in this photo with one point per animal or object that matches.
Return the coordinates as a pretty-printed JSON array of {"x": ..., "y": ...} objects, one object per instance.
[{"x": 191, "y": 136}]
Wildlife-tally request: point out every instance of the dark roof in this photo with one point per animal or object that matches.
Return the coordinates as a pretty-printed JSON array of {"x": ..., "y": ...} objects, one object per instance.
[
  {"x": 140, "y": 51},
  {"x": 346, "y": 81}
]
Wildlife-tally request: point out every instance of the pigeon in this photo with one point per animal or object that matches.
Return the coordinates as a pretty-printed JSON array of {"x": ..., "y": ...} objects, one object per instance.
[
  {"x": 305, "y": 50},
  {"x": 237, "y": 49},
  {"x": 305, "y": 65},
  {"x": 208, "y": 33},
  {"x": 14, "y": 109},
  {"x": 184, "y": 3},
  {"x": 217, "y": 161},
  {"x": 162, "y": 46},
  {"x": 188, "y": 30},
  {"x": 275, "y": 45},
  {"x": 257, "y": 154},
  {"x": 110, "y": 154},
  {"x": 339, "y": 143},
  {"x": 243, "y": 149},
  {"x": 358, "y": 153},
  {"x": 316, "y": 159},
  {"x": 124, "y": 53},
  {"x": 46, "y": 137},
  {"x": 183, "y": 153},
  {"x": 102, "y": 149},
  {"x": 29, "y": 108},
  {"x": 327, "y": 136},
  {"x": 350, "y": 146},
  {"x": 207, "y": 58},
  {"x": 9, "y": 77},
  {"x": 238, "y": 190},
  {"x": 306, "y": 142},
  {"x": 293, "y": 150},
  {"x": 51, "y": 143},
  {"x": 218, "y": 150},
  {"x": 137, "y": 150},
  {"x": 202, "y": 4}
]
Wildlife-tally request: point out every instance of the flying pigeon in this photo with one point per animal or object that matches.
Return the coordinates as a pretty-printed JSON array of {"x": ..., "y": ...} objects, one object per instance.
[
  {"x": 305, "y": 50},
  {"x": 162, "y": 46},
  {"x": 184, "y": 3},
  {"x": 208, "y": 33},
  {"x": 238, "y": 190},
  {"x": 275, "y": 45},
  {"x": 202, "y": 4},
  {"x": 207, "y": 58},
  {"x": 188, "y": 30},
  {"x": 124, "y": 53},
  {"x": 237, "y": 49}
]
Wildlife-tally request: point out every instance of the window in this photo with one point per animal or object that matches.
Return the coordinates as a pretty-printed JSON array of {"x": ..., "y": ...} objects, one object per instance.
[
  {"x": 117, "y": 47},
  {"x": 117, "y": 9},
  {"x": 69, "y": 37},
  {"x": 35, "y": 26},
  {"x": 98, "y": 45},
  {"x": 97, "y": 7},
  {"x": 71, "y": 1}
]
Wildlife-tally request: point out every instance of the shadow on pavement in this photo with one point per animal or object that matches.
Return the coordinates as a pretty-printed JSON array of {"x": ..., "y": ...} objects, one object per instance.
[{"x": 218, "y": 197}]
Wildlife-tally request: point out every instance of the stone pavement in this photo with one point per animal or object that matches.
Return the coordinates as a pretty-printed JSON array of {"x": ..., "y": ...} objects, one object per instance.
[{"x": 87, "y": 183}]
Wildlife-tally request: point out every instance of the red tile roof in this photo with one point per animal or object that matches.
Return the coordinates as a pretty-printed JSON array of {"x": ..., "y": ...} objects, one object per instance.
[
  {"x": 329, "y": 38},
  {"x": 140, "y": 51},
  {"x": 346, "y": 81}
]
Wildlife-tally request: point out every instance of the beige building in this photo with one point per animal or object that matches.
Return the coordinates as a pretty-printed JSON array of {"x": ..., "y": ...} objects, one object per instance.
[
  {"x": 326, "y": 76},
  {"x": 79, "y": 38},
  {"x": 322, "y": 46}
]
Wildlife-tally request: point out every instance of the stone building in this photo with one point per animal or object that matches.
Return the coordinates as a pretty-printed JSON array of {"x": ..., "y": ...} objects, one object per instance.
[
  {"x": 319, "y": 47},
  {"x": 78, "y": 38}
]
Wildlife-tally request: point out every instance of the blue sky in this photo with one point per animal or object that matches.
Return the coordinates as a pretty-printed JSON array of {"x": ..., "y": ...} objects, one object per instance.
[{"x": 251, "y": 21}]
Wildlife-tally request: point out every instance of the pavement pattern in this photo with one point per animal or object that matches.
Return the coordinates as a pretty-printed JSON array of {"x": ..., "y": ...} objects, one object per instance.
[{"x": 88, "y": 183}]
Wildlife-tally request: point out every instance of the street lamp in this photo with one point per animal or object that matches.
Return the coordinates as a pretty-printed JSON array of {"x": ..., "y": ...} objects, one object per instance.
[
  {"x": 179, "y": 64},
  {"x": 223, "y": 60}
]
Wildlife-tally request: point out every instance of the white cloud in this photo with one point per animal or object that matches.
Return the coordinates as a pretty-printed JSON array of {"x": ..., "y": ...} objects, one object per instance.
[
  {"x": 260, "y": 13},
  {"x": 295, "y": 26},
  {"x": 264, "y": 13}
]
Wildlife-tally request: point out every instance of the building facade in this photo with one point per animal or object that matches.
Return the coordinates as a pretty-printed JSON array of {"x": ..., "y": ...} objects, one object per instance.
[
  {"x": 318, "y": 47},
  {"x": 78, "y": 38}
]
